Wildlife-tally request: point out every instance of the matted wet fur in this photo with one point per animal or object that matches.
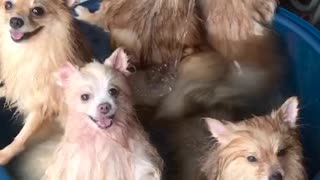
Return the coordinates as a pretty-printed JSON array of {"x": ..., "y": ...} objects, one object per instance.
[
  {"x": 272, "y": 139},
  {"x": 102, "y": 143},
  {"x": 37, "y": 37},
  {"x": 260, "y": 148}
]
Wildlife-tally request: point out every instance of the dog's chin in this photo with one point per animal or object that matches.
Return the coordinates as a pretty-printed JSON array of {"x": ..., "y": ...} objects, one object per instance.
[
  {"x": 18, "y": 36},
  {"x": 103, "y": 122}
]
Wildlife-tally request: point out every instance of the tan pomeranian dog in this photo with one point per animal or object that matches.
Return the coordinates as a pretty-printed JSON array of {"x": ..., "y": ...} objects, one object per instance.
[
  {"x": 37, "y": 38},
  {"x": 260, "y": 148},
  {"x": 103, "y": 138}
]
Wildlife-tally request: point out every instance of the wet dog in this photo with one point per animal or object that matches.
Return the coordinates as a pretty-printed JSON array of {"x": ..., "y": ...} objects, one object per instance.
[
  {"x": 103, "y": 138},
  {"x": 263, "y": 147}
]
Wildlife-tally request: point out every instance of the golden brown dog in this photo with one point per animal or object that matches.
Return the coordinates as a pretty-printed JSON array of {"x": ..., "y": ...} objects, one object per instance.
[
  {"x": 37, "y": 37},
  {"x": 260, "y": 148}
]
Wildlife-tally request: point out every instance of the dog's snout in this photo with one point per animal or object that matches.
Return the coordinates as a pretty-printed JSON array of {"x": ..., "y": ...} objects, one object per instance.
[
  {"x": 16, "y": 22},
  {"x": 104, "y": 108},
  {"x": 276, "y": 176}
]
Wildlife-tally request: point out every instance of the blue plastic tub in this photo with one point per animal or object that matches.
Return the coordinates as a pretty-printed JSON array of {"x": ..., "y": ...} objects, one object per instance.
[{"x": 303, "y": 45}]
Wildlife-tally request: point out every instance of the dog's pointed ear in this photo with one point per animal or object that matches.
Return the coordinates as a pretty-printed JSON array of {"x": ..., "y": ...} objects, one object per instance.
[
  {"x": 119, "y": 61},
  {"x": 218, "y": 130},
  {"x": 64, "y": 73},
  {"x": 288, "y": 112}
]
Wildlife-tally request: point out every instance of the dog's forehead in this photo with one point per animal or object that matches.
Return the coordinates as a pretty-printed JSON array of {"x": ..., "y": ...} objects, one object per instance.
[
  {"x": 266, "y": 143},
  {"x": 97, "y": 76},
  {"x": 259, "y": 141}
]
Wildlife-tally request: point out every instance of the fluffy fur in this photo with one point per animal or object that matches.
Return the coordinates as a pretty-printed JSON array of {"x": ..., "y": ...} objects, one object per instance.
[
  {"x": 28, "y": 62},
  {"x": 90, "y": 150},
  {"x": 232, "y": 23},
  {"x": 157, "y": 31},
  {"x": 152, "y": 31},
  {"x": 265, "y": 147},
  {"x": 273, "y": 139}
]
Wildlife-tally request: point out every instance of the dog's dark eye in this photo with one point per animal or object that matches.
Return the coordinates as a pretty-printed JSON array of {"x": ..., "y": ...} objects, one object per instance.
[
  {"x": 252, "y": 159},
  {"x": 132, "y": 69},
  {"x": 85, "y": 97},
  {"x": 37, "y": 11},
  {"x": 114, "y": 92},
  {"x": 8, "y": 5},
  {"x": 282, "y": 152}
]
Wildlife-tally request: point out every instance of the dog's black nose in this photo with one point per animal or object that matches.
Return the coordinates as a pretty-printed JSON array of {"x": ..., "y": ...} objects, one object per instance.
[
  {"x": 276, "y": 176},
  {"x": 16, "y": 22}
]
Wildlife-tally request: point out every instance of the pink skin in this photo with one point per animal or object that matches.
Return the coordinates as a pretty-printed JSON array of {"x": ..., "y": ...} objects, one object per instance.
[{"x": 104, "y": 120}]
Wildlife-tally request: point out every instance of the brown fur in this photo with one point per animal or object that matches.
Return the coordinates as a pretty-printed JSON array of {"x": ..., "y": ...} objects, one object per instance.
[
  {"x": 196, "y": 156},
  {"x": 152, "y": 31},
  {"x": 272, "y": 139},
  {"x": 246, "y": 70},
  {"x": 231, "y": 23},
  {"x": 27, "y": 67},
  {"x": 206, "y": 80}
]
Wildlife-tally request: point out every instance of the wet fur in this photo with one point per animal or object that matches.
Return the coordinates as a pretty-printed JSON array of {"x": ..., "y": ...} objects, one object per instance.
[
  {"x": 262, "y": 137},
  {"x": 120, "y": 152},
  {"x": 27, "y": 67},
  {"x": 196, "y": 154}
]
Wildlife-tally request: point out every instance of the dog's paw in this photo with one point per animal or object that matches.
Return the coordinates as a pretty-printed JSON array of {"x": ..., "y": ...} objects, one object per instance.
[
  {"x": 83, "y": 13},
  {"x": 264, "y": 10}
]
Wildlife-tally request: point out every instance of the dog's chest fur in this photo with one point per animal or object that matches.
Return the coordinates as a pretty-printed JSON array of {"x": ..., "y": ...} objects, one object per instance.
[
  {"x": 27, "y": 69},
  {"x": 27, "y": 72},
  {"x": 93, "y": 153}
]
